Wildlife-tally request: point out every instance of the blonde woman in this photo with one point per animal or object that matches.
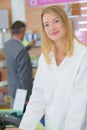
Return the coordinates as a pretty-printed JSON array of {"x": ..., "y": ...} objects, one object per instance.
[{"x": 60, "y": 86}]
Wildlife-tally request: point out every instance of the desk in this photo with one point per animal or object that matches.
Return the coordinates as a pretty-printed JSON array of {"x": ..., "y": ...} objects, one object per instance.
[
  {"x": 10, "y": 111},
  {"x": 19, "y": 113}
]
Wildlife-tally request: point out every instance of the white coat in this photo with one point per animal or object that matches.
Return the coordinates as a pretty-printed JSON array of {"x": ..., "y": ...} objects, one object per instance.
[{"x": 59, "y": 92}]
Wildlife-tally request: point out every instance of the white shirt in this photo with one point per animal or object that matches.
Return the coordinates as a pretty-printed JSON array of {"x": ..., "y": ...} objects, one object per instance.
[{"x": 59, "y": 92}]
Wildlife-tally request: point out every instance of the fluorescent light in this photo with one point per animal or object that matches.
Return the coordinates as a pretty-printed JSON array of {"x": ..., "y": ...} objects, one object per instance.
[
  {"x": 82, "y": 22},
  {"x": 83, "y": 8},
  {"x": 82, "y": 29}
]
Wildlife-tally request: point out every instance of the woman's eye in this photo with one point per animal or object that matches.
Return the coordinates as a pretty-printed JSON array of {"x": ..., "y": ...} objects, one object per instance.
[
  {"x": 56, "y": 21},
  {"x": 46, "y": 25}
]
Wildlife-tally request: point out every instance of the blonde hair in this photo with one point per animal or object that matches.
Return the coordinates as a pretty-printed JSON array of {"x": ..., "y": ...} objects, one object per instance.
[{"x": 47, "y": 44}]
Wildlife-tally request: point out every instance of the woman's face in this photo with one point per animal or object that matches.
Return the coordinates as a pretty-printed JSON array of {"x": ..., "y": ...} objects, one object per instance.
[{"x": 53, "y": 27}]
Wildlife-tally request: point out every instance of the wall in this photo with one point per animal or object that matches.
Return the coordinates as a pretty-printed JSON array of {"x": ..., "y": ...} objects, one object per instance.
[
  {"x": 33, "y": 17},
  {"x": 18, "y": 10},
  {"x": 6, "y": 4}
]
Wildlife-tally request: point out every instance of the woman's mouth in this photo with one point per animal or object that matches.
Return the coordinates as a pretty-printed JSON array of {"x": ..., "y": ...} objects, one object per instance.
[{"x": 55, "y": 33}]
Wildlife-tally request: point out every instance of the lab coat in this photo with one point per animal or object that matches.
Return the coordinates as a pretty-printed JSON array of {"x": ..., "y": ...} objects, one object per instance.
[{"x": 59, "y": 92}]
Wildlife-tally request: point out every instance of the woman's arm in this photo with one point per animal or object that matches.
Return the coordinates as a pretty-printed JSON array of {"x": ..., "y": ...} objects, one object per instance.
[
  {"x": 77, "y": 114},
  {"x": 36, "y": 107}
]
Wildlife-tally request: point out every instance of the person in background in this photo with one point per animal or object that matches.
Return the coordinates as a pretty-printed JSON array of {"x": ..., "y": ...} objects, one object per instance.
[
  {"x": 60, "y": 86},
  {"x": 19, "y": 68}
]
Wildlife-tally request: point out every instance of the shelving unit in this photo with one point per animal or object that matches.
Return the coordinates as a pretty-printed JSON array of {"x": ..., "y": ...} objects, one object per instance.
[
  {"x": 34, "y": 54},
  {"x": 3, "y": 81}
]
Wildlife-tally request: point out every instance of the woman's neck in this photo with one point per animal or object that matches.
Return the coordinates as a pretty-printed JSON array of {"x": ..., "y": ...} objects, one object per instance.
[{"x": 59, "y": 52}]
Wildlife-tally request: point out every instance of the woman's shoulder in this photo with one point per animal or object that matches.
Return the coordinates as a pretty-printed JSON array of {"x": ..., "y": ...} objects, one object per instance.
[
  {"x": 42, "y": 59},
  {"x": 79, "y": 47}
]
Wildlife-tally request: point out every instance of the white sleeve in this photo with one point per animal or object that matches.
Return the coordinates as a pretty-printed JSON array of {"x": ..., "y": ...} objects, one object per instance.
[
  {"x": 77, "y": 114},
  {"x": 36, "y": 106}
]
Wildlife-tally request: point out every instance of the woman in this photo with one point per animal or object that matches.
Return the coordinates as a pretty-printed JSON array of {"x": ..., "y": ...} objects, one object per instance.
[{"x": 60, "y": 86}]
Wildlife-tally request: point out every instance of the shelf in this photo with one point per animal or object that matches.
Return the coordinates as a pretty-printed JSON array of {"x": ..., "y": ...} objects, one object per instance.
[
  {"x": 3, "y": 84},
  {"x": 3, "y": 90}
]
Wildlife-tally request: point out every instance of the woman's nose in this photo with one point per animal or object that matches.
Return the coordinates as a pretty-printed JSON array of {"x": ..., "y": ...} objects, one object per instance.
[{"x": 52, "y": 27}]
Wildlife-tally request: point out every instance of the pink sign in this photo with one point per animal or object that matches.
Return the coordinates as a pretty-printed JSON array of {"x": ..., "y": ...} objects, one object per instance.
[{"x": 45, "y": 2}]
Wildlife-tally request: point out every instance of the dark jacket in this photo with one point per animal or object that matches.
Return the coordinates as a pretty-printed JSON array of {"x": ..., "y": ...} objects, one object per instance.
[{"x": 18, "y": 66}]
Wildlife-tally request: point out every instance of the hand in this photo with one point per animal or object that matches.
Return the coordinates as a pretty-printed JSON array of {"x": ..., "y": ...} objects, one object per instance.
[
  {"x": 32, "y": 43},
  {"x": 12, "y": 129}
]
